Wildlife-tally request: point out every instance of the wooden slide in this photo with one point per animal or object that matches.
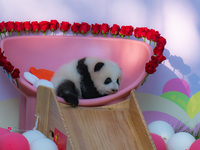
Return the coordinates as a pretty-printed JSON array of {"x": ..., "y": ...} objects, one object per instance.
[{"x": 119, "y": 126}]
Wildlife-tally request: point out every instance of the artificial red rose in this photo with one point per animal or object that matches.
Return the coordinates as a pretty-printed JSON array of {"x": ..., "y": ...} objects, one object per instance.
[
  {"x": 15, "y": 73},
  {"x": 150, "y": 67},
  {"x": 154, "y": 59},
  {"x": 161, "y": 58},
  {"x": 104, "y": 28},
  {"x": 11, "y": 26},
  {"x": 8, "y": 67},
  {"x": 0, "y": 32},
  {"x": 35, "y": 26},
  {"x": 114, "y": 30},
  {"x": 54, "y": 25},
  {"x": 162, "y": 41},
  {"x": 158, "y": 59},
  {"x": 158, "y": 50},
  {"x": 129, "y": 31},
  {"x": 144, "y": 31},
  {"x": 156, "y": 36},
  {"x": 18, "y": 27},
  {"x": 149, "y": 34},
  {"x": 152, "y": 35},
  {"x": 3, "y": 60},
  {"x": 122, "y": 31},
  {"x": 138, "y": 32},
  {"x": 75, "y": 27},
  {"x": 95, "y": 28},
  {"x": 84, "y": 28},
  {"x": 3, "y": 27},
  {"x": 1, "y": 52},
  {"x": 27, "y": 26},
  {"x": 65, "y": 26},
  {"x": 44, "y": 26}
]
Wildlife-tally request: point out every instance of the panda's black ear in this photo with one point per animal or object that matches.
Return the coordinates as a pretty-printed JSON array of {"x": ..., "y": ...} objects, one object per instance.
[{"x": 98, "y": 66}]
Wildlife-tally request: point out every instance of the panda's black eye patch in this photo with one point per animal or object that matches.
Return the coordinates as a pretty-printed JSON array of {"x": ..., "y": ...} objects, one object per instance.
[
  {"x": 117, "y": 81},
  {"x": 98, "y": 66},
  {"x": 107, "y": 81}
]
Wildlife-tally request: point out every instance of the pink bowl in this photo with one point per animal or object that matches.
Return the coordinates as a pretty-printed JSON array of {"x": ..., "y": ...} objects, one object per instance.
[{"x": 49, "y": 52}]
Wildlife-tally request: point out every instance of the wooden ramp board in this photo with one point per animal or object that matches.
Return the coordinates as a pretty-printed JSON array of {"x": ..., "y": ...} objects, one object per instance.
[{"x": 119, "y": 126}]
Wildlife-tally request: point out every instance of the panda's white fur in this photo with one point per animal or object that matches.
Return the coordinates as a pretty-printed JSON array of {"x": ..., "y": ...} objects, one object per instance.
[
  {"x": 89, "y": 76},
  {"x": 69, "y": 72}
]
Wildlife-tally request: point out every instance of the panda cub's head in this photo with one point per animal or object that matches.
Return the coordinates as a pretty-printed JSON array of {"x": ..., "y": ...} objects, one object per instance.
[{"x": 105, "y": 74}]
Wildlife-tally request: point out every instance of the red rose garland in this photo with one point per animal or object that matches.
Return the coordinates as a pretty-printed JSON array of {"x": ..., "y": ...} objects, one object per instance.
[{"x": 83, "y": 28}]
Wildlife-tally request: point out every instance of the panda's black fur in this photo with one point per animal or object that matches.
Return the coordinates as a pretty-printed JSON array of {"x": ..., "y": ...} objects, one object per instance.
[
  {"x": 88, "y": 89},
  {"x": 84, "y": 86},
  {"x": 68, "y": 91}
]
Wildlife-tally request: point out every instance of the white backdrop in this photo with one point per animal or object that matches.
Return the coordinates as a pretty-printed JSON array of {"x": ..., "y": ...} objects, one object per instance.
[{"x": 177, "y": 20}]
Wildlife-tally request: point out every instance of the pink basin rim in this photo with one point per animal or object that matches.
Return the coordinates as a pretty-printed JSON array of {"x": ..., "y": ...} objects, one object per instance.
[{"x": 29, "y": 90}]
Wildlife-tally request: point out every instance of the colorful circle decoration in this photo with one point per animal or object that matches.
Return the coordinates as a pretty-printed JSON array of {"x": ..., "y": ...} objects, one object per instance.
[
  {"x": 178, "y": 98},
  {"x": 178, "y": 85},
  {"x": 193, "y": 106}
]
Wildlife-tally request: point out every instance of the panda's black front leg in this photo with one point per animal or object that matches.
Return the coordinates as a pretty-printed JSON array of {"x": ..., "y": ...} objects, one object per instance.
[{"x": 68, "y": 91}]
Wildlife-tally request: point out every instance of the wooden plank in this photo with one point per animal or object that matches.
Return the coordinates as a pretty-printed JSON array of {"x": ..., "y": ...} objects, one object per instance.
[
  {"x": 100, "y": 129},
  {"x": 50, "y": 114},
  {"x": 56, "y": 120},
  {"x": 140, "y": 125},
  {"x": 42, "y": 109}
]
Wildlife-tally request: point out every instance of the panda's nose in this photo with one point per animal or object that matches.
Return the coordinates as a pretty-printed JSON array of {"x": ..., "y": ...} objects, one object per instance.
[{"x": 114, "y": 90}]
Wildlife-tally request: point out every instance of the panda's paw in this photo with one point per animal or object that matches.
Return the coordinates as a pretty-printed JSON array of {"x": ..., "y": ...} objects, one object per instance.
[{"x": 73, "y": 102}]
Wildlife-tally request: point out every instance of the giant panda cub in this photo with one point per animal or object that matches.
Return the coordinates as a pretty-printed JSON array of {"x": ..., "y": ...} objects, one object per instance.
[{"x": 86, "y": 78}]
